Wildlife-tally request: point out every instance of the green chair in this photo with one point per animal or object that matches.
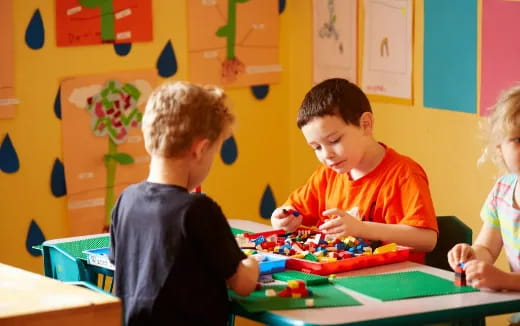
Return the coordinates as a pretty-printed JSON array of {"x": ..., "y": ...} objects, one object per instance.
[{"x": 451, "y": 231}]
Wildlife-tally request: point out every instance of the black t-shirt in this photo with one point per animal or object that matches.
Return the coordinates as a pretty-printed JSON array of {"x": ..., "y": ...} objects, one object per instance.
[{"x": 173, "y": 253}]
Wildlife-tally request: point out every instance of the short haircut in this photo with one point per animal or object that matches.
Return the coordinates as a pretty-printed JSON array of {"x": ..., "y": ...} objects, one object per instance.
[
  {"x": 179, "y": 112},
  {"x": 334, "y": 96}
]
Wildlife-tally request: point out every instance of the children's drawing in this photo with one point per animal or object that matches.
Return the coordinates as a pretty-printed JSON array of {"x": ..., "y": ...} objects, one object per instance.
[
  {"x": 103, "y": 146},
  {"x": 387, "y": 69},
  {"x": 237, "y": 45},
  {"x": 328, "y": 29},
  {"x": 7, "y": 98},
  {"x": 335, "y": 28},
  {"x": 84, "y": 22},
  {"x": 231, "y": 66},
  {"x": 113, "y": 112}
]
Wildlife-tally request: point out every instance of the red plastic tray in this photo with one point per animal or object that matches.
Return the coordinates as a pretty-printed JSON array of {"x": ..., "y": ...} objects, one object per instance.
[
  {"x": 339, "y": 266},
  {"x": 348, "y": 264}
]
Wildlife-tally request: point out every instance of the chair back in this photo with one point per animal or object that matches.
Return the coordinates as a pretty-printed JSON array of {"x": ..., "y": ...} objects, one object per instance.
[{"x": 451, "y": 231}]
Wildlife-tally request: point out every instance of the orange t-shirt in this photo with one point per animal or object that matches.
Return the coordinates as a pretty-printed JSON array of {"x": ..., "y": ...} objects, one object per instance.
[{"x": 396, "y": 191}]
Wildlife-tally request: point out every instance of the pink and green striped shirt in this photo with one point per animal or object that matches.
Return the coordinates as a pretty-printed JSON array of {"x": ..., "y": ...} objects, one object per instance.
[{"x": 498, "y": 211}]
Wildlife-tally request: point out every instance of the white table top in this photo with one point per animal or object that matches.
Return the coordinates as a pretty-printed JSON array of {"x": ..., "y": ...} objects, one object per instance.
[{"x": 373, "y": 311}]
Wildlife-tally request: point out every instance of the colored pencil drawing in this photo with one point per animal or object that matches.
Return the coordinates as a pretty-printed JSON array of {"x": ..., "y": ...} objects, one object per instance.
[
  {"x": 387, "y": 64},
  {"x": 328, "y": 28},
  {"x": 334, "y": 40}
]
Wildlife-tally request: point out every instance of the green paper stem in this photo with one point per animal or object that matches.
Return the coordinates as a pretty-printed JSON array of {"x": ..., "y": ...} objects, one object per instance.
[
  {"x": 110, "y": 165},
  {"x": 107, "y": 17},
  {"x": 229, "y": 31}
]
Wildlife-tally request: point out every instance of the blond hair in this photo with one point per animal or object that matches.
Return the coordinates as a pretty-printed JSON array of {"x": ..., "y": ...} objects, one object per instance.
[
  {"x": 179, "y": 112},
  {"x": 501, "y": 123}
]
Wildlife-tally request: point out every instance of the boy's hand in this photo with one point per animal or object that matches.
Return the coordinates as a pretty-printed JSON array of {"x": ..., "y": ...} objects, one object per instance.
[
  {"x": 484, "y": 275},
  {"x": 342, "y": 225},
  {"x": 286, "y": 219},
  {"x": 460, "y": 253}
]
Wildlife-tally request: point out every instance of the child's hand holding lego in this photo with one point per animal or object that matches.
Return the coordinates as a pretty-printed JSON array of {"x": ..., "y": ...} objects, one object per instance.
[
  {"x": 343, "y": 224},
  {"x": 286, "y": 218},
  {"x": 481, "y": 274},
  {"x": 460, "y": 253}
]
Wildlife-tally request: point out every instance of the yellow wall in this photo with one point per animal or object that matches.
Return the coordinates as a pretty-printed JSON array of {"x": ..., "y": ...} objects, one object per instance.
[{"x": 271, "y": 148}]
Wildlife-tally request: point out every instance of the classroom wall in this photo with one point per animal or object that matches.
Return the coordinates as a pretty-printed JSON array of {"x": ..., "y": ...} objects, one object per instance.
[{"x": 271, "y": 150}]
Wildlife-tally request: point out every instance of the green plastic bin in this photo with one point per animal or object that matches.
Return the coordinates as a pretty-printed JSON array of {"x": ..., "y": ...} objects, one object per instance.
[{"x": 64, "y": 260}]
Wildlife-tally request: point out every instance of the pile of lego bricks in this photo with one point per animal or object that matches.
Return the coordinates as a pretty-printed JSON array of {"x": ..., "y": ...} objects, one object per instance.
[{"x": 311, "y": 245}]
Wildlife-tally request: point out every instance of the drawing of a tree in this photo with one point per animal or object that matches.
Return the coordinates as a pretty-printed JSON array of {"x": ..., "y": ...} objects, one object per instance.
[
  {"x": 232, "y": 66},
  {"x": 114, "y": 112}
]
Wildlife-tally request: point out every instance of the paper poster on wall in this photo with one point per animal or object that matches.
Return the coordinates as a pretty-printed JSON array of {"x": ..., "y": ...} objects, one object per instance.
[
  {"x": 334, "y": 39},
  {"x": 450, "y": 55},
  {"x": 500, "y": 64},
  {"x": 86, "y": 22},
  {"x": 7, "y": 96},
  {"x": 387, "y": 64},
  {"x": 233, "y": 43},
  {"x": 102, "y": 141}
]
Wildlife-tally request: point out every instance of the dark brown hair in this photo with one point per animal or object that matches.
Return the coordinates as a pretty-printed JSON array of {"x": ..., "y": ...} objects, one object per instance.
[{"x": 336, "y": 96}]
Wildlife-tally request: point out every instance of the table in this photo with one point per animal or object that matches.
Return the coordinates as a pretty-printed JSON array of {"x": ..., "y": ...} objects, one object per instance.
[
  {"x": 30, "y": 299},
  {"x": 414, "y": 311}
]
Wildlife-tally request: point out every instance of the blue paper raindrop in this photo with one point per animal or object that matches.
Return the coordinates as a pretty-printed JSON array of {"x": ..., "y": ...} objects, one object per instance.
[
  {"x": 58, "y": 186},
  {"x": 8, "y": 158},
  {"x": 260, "y": 91},
  {"x": 122, "y": 49},
  {"x": 35, "y": 237},
  {"x": 167, "y": 63},
  {"x": 281, "y": 6},
  {"x": 229, "y": 151},
  {"x": 57, "y": 104},
  {"x": 268, "y": 203},
  {"x": 35, "y": 32}
]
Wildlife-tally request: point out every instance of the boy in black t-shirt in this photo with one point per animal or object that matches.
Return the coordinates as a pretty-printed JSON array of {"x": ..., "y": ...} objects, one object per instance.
[{"x": 173, "y": 250}]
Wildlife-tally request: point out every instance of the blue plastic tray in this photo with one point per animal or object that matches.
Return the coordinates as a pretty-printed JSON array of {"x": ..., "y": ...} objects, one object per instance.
[{"x": 272, "y": 264}]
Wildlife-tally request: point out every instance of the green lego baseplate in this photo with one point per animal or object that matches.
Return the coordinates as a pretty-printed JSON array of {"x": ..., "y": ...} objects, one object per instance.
[
  {"x": 76, "y": 248},
  {"x": 324, "y": 295},
  {"x": 404, "y": 285},
  {"x": 309, "y": 279},
  {"x": 237, "y": 231}
]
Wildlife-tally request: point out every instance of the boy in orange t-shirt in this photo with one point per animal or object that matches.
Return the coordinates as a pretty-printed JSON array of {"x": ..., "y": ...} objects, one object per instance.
[{"x": 364, "y": 188}]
